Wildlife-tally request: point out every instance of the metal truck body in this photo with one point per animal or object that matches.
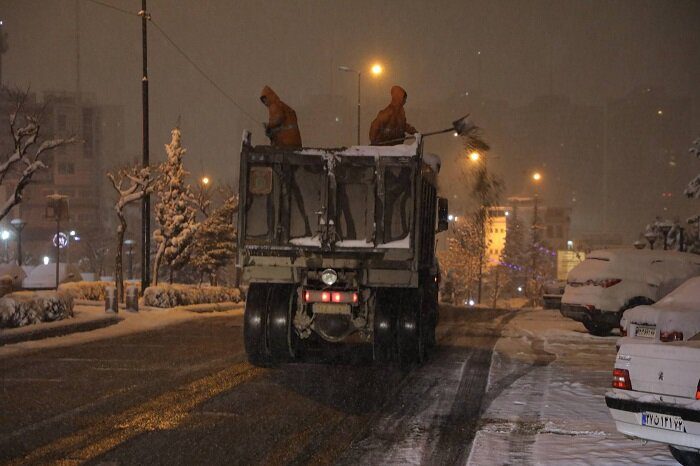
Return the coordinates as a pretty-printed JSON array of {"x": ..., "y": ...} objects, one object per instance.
[{"x": 336, "y": 242}]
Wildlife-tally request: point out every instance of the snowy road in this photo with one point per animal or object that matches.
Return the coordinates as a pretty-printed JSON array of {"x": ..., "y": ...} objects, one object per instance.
[{"x": 518, "y": 387}]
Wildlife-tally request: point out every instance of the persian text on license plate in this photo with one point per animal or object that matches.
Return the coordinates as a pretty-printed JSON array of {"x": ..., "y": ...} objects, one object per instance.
[
  {"x": 645, "y": 331},
  {"x": 330, "y": 308},
  {"x": 663, "y": 421}
]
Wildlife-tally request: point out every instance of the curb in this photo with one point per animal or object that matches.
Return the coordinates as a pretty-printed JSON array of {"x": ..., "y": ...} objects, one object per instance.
[{"x": 57, "y": 330}]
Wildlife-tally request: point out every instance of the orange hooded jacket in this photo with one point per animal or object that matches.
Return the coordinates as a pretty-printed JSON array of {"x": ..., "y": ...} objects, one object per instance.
[
  {"x": 391, "y": 122},
  {"x": 282, "y": 127}
]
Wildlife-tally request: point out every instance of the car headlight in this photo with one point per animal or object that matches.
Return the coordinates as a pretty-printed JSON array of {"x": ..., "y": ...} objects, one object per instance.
[{"x": 329, "y": 276}]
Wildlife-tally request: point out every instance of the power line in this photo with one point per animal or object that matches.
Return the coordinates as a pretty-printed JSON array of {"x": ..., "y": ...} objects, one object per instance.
[
  {"x": 116, "y": 8},
  {"x": 182, "y": 52},
  {"x": 204, "y": 75}
]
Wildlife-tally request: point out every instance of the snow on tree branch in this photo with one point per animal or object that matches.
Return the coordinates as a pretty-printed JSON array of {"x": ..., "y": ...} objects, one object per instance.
[
  {"x": 693, "y": 188},
  {"x": 21, "y": 158}
]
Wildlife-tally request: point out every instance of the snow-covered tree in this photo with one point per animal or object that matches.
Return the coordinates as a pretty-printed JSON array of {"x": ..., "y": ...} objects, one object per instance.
[
  {"x": 514, "y": 254},
  {"x": 175, "y": 214},
  {"x": 131, "y": 185},
  {"x": 460, "y": 262},
  {"x": 19, "y": 166},
  {"x": 215, "y": 241},
  {"x": 540, "y": 263},
  {"x": 693, "y": 188}
]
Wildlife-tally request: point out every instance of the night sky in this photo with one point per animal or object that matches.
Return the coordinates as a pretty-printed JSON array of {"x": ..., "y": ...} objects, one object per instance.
[{"x": 591, "y": 52}]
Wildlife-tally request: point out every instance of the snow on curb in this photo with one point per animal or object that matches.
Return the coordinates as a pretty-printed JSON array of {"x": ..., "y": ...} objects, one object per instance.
[{"x": 32, "y": 307}]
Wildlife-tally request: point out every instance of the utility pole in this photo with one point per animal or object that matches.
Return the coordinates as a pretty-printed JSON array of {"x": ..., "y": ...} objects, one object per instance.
[
  {"x": 359, "y": 83},
  {"x": 3, "y": 47},
  {"x": 146, "y": 202}
]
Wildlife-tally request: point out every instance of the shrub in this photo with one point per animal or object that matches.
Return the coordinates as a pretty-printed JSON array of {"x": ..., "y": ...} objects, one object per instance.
[
  {"x": 31, "y": 307},
  {"x": 165, "y": 296}
]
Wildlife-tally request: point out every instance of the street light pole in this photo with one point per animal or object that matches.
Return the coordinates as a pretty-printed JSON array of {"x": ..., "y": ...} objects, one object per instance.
[
  {"x": 359, "y": 92},
  {"x": 146, "y": 202},
  {"x": 18, "y": 225}
]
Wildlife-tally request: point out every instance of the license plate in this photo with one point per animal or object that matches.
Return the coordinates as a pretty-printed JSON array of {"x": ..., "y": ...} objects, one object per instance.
[
  {"x": 331, "y": 308},
  {"x": 645, "y": 331},
  {"x": 663, "y": 421}
]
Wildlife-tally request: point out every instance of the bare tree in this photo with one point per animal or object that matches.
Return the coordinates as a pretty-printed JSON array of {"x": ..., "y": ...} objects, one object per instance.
[
  {"x": 131, "y": 184},
  {"x": 25, "y": 130}
]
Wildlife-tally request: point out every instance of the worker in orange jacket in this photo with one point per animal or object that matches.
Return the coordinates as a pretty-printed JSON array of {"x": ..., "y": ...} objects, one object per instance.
[
  {"x": 282, "y": 127},
  {"x": 390, "y": 124}
]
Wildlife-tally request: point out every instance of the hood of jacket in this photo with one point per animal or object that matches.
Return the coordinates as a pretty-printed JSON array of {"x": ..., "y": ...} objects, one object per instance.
[
  {"x": 397, "y": 95},
  {"x": 269, "y": 94}
]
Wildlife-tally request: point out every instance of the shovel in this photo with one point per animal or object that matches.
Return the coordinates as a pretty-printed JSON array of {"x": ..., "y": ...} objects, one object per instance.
[{"x": 462, "y": 127}]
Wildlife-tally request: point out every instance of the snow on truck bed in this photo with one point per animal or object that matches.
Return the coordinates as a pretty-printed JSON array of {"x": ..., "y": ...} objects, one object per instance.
[{"x": 399, "y": 150}]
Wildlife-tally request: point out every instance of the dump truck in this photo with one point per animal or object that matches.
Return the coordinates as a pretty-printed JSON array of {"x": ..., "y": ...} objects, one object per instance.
[{"x": 337, "y": 243}]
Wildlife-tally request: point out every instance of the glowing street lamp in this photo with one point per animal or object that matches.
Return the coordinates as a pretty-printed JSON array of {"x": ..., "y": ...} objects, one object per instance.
[
  {"x": 377, "y": 69},
  {"x": 205, "y": 180},
  {"x": 537, "y": 176},
  {"x": 474, "y": 156}
]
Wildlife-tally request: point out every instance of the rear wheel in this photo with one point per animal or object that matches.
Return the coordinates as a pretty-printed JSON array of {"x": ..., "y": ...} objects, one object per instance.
[
  {"x": 255, "y": 322},
  {"x": 599, "y": 330},
  {"x": 283, "y": 339},
  {"x": 384, "y": 341},
  {"x": 684, "y": 457},
  {"x": 410, "y": 330}
]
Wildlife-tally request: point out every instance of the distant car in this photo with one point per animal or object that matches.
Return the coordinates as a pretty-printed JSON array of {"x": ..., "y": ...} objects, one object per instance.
[
  {"x": 675, "y": 317},
  {"x": 608, "y": 282},
  {"x": 553, "y": 291},
  {"x": 656, "y": 395}
]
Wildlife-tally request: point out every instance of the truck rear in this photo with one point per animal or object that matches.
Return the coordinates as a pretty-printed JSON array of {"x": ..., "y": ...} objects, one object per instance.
[{"x": 339, "y": 242}]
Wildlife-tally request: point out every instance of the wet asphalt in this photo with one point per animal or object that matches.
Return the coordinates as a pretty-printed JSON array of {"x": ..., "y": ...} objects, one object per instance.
[{"x": 185, "y": 394}]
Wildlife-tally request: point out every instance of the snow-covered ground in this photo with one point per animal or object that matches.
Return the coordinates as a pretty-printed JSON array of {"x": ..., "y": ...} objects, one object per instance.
[
  {"x": 131, "y": 323},
  {"x": 546, "y": 390}
]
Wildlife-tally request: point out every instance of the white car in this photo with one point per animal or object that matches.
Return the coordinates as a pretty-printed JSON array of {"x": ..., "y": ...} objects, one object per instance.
[
  {"x": 656, "y": 395},
  {"x": 608, "y": 282},
  {"x": 675, "y": 317}
]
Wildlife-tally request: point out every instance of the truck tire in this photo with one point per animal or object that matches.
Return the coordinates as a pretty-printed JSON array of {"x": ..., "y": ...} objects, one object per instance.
[
  {"x": 255, "y": 321},
  {"x": 410, "y": 329},
  {"x": 283, "y": 340},
  {"x": 384, "y": 336}
]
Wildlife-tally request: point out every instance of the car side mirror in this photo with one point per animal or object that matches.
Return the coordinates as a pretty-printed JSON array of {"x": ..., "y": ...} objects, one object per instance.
[{"x": 442, "y": 214}]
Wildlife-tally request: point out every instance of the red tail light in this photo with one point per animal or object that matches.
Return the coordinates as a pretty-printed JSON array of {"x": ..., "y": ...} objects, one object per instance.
[
  {"x": 338, "y": 297},
  {"x": 697, "y": 392},
  {"x": 621, "y": 379},
  {"x": 608, "y": 282},
  {"x": 671, "y": 336}
]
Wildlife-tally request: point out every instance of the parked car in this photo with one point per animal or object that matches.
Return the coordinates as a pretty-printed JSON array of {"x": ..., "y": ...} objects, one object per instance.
[
  {"x": 608, "y": 282},
  {"x": 675, "y": 317},
  {"x": 553, "y": 291},
  {"x": 656, "y": 395}
]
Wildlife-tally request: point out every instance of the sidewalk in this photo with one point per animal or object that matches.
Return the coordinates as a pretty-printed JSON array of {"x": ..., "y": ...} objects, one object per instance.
[{"x": 546, "y": 399}]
